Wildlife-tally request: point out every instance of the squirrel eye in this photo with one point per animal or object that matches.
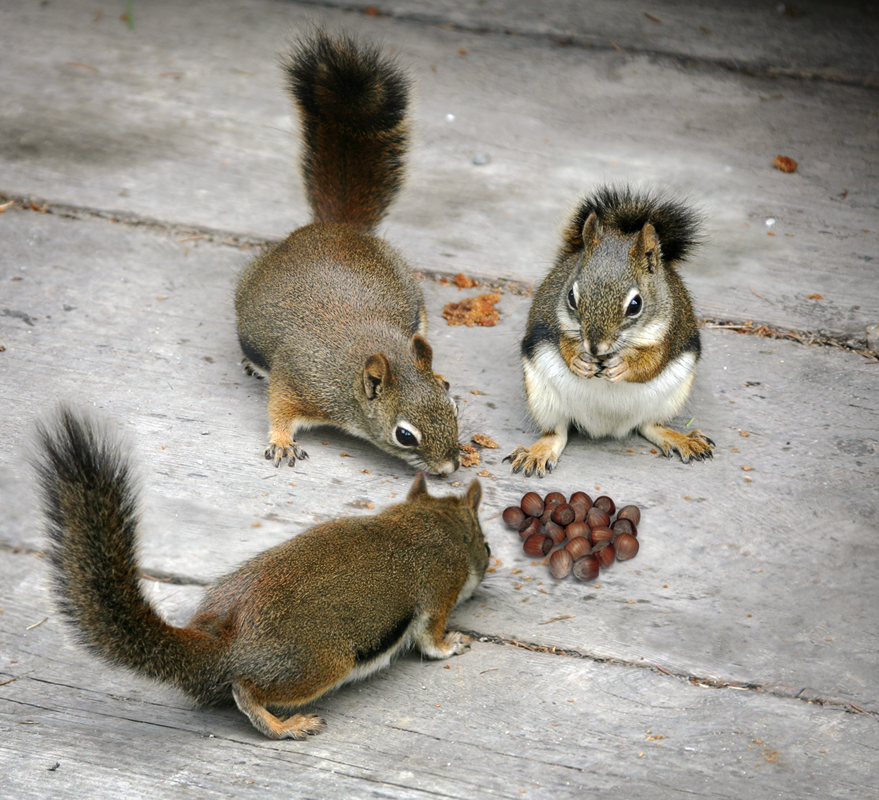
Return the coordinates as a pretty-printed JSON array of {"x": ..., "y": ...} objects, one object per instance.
[
  {"x": 635, "y": 306},
  {"x": 572, "y": 299},
  {"x": 405, "y": 437}
]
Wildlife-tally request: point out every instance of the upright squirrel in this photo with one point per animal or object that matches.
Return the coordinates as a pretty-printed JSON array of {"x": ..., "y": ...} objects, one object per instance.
[
  {"x": 611, "y": 343},
  {"x": 331, "y": 605},
  {"x": 333, "y": 315}
]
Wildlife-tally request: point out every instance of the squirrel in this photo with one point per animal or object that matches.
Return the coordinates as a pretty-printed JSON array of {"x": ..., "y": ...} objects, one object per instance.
[
  {"x": 612, "y": 341},
  {"x": 332, "y": 605},
  {"x": 333, "y": 315}
]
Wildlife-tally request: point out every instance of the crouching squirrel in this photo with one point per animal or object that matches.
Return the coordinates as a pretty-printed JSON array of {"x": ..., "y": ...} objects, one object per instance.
[
  {"x": 329, "y": 606},
  {"x": 333, "y": 315},
  {"x": 611, "y": 343}
]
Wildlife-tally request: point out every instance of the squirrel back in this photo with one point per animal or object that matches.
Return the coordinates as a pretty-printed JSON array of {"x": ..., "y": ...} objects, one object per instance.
[
  {"x": 333, "y": 604},
  {"x": 333, "y": 315},
  {"x": 612, "y": 340},
  {"x": 352, "y": 103}
]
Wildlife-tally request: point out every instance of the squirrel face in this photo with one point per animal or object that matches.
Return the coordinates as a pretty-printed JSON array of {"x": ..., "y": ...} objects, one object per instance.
[
  {"x": 617, "y": 297},
  {"x": 409, "y": 412}
]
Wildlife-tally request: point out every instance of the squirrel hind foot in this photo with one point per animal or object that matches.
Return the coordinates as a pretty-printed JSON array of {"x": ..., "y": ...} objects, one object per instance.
[
  {"x": 253, "y": 370},
  {"x": 292, "y": 453},
  {"x": 692, "y": 446},
  {"x": 298, "y": 726}
]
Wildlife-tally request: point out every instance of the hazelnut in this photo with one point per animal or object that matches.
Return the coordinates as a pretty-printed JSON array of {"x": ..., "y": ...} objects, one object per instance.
[
  {"x": 555, "y": 532},
  {"x": 581, "y": 497},
  {"x": 597, "y": 516},
  {"x": 532, "y": 505},
  {"x": 576, "y": 529},
  {"x": 586, "y": 568},
  {"x": 529, "y": 525},
  {"x": 605, "y": 554},
  {"x": 537, "y": 545},
  {"x": 514, "y": 516},
  {"x": 563, "y": 514},
  {"x": 626, "y": 546},
  {"x": 601, "y": 533},
  {"x": 556, "y": 498},
  {"x": 623, "y": 525},
  {"x": 606, "y": 503},
  {"x": 632, "y": 513},
  {"x": 560, "y": 563},
  {"x": 578, "y": 547},
  {"x": 580, "y": 511}
]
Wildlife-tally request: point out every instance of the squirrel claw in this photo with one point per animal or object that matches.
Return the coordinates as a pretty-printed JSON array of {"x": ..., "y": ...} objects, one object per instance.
[
  {"x": 584, "y": 368},
  {"x": 277, "y": 454},
  {"x": 525, "y": 461}
]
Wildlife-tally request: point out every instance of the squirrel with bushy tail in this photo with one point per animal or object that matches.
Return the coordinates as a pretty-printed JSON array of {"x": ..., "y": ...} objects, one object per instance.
[
  {"x": 333, "y": 316},
  {"x": 611, "y": 344}
]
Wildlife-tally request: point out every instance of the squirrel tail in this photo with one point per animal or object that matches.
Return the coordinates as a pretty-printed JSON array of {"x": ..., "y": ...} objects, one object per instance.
[
  {"x": 352, "y": 103},
  {"x": 627, "y": 211},
  {"x": 91, "y": 505}
]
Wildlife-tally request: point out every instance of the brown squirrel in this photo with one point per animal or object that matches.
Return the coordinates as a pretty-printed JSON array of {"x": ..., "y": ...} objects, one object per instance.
[
  {"x": 329, "y": 606},
  {"x": 612, "y": 342},
  {"x": 333, "y": 315}
]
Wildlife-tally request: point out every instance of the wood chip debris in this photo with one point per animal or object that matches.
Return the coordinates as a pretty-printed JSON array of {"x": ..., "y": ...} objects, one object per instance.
[{"x": 477, "y": 310}]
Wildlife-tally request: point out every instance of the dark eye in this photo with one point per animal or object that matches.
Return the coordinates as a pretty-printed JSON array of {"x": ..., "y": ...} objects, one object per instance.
[
  {"x": 405, "y": 437},
  {"x": 572, "y": 299},
  {"x": 634, "y": 307}
]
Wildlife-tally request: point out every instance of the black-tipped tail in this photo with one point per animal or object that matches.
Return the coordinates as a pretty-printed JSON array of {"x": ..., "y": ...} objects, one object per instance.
[
  {"x": 352, "y": 101},
  {"x": 91, "y": 506}
]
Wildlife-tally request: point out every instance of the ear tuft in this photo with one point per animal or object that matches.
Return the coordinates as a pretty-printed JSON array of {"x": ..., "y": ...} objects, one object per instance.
[{"x": 418, "y": 488}]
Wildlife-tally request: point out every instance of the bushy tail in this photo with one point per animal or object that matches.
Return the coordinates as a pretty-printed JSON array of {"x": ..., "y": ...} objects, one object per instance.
[
  {"x": 91, "y": 506},
  {"x": 352, "y": 103},
  {"x": 627, "y": 211}
]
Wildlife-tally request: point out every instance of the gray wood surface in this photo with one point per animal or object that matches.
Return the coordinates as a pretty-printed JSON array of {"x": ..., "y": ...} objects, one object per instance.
[{"x": 745, "y": 633}]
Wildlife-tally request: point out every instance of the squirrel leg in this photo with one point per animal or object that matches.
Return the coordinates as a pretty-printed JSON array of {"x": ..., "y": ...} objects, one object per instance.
[
  {"x": 434, "y": 642},
  {"x": 296, "y": 727},
  {"x": 693, "y": 445},
  {"x": 542, "y": 456},
  {"x": 287, "y": 413}
]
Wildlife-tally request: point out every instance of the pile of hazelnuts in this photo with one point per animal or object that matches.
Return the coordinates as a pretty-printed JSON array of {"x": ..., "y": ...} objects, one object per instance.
[{"x": 580, "y": 530}]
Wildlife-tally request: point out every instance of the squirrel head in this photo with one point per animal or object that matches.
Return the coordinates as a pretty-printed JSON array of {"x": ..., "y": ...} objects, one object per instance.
[
  {"x": 408, "y": 409},
  {"x": 618, "y": 294},
  {"x": 459, "y": 513}
]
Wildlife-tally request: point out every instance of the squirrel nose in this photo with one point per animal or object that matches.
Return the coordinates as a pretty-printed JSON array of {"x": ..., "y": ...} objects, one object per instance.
[{"x": 448, "y": 467}]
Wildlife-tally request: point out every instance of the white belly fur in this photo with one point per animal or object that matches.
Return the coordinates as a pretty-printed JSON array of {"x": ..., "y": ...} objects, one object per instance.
[{"x": 556, "y": 396}]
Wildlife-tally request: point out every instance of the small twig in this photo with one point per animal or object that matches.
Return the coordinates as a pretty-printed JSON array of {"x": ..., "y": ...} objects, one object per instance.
[
  {"x": 36, "y": 624},
  {"x": 9, "y": 681}
]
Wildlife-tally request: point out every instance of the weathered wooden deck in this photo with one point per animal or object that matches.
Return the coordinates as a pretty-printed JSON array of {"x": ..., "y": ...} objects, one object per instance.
[{"x": 737, "y": 655}]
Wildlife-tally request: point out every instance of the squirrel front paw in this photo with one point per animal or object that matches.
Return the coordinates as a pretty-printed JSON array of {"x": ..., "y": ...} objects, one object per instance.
[
  {"x": 584, "y": 366},
  {"x": 279, "y": 453},
  {"x": 615, "y": 369},
  {"x": 695, "y": 445}
]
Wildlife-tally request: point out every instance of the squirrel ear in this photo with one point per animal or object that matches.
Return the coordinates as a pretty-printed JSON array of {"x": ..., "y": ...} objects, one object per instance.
[
  {"x": 419, "y": 487},
  {"x": 376, "y": 375},
  {"x": 591, "y": 230},
  {"x": 442, "y": 381},
  {"x": 474, "y": 494},
  {"x": 647, "y": 247},
  {"x": 423, "y": 352}
]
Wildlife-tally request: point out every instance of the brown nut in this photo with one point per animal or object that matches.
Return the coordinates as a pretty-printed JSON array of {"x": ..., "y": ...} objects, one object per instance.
[
  {"x": 563, "y": 514},
  {"x": 623, "y": 525},
  {"x": 537, "y": 545},
  {"x": 580, "y": 511},
  {"x": 529, "y": 525},
  {"x": 578, "y": 547},
  {"x": 632, "y": 513},
  {"x": 601, "y": 533},
  {"x": 576, "y": 529},
  {"x": 532, "y": 505},
  {"x": 555, "y": 532},
  {"x": 606, "y": 503},
  {"x": 597, "y": 516},
  {"x": 560, "y": 563},
  {"x": 626, "y": 546},
  {"x": 514, "y": 517},
  {"x": 586, "y": 568},
  {"x": 605, "y": 554},
  {"x": 556, "y": 498},
  {"x": 581, "y": 497}
]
